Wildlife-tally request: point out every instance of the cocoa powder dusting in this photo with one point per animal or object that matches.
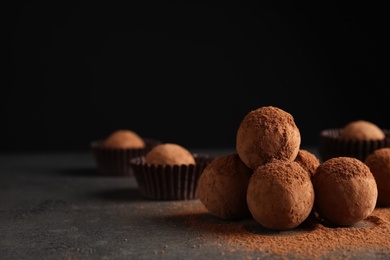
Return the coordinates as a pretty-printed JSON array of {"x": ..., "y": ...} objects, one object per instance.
[{"x": 311, "y": 240}]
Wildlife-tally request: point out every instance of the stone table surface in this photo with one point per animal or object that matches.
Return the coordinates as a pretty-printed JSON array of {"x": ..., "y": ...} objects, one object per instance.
[{"x": 55, "y": 206}]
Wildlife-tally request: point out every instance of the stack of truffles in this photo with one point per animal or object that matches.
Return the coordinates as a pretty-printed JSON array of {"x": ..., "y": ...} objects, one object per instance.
[{"x": 273, "y": 180}]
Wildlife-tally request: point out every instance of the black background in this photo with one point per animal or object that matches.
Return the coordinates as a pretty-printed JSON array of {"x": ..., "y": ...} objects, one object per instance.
[{"x": 188, "y": 71}]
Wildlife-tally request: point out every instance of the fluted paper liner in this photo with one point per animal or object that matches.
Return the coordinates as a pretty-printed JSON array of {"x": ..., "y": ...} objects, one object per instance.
[{"x": 169, "y": 182}]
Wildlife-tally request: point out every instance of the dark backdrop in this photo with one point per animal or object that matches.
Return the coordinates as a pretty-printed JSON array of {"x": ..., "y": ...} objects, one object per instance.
[{"x": 188, "y": 71}]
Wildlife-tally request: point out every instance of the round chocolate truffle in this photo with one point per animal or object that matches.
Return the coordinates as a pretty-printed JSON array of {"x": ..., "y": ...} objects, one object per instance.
[
  {"x": 124, "y": 138},
  {"x": 222, "y": 187},
  {"x": 265, "y": 134},
  {"x": 280, "y": 195},
  {"x": 346, "y": 191},
  {"x": 308, "y": 161},
  {"x": 169, "y": 154},
  {"x": 362, "y": 130},
  {"x": 379, "y": 164}
]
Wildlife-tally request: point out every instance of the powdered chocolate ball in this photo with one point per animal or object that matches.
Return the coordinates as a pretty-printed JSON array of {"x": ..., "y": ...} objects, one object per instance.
[
  {"x": 222, "y": 187},
  {"x": 308, "y": 161},
  {"x": 361, "y": 130},
  {"x": 346, "y": 191},
  {"x": 267, "y": 133},
  {"x": 379, "y": 164},
  {"x": 169, "y": 154},
  {"x": 123, "y": 138},
  {"x": 280, "y": 195}
]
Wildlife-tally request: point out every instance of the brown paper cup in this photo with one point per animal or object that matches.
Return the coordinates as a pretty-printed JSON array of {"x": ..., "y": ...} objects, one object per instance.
[{"x": 169, "y": 182}]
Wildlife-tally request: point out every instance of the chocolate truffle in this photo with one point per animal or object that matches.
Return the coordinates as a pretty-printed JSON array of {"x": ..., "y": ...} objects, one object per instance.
[
  {"x": 361, "y": 130},
  {"x": 267, "y": 133},
  {"x": 124, "y": 138},
  {"x": 280, "y": 195},
  {"x": 308, "y": 161},
  {"x": 169, "y": 154},
  {"x": 222, "y": 187},
  {"x": 379, "y": 164},
  {"x": 345, "y": 191}
]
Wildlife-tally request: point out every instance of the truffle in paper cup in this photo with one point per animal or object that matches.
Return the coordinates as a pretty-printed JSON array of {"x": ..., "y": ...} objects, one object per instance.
[
  {"x": 332, "y": 145},
  {"x": 169, "y": 182},
  {"x": 115, "y": 161}
]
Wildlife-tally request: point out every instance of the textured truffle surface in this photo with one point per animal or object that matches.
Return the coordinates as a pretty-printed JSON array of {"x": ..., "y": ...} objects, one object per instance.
[
  {"x": 361, "y": 130},
  {"x": 345, "y": 189},
  {"x": 123, "y": 138},
  {"x": 308, "y": 161},
  {"x": 265, "y": 134},
  {"x": 169, "y": 154},
  {"x": 280, "y": 195},
  {"x": 379, "y": 164},
  {"x": 222, "y": 187}
]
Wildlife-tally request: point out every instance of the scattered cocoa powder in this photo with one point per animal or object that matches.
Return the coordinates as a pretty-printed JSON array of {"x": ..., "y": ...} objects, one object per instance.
[{"x": 311, "y": 240}]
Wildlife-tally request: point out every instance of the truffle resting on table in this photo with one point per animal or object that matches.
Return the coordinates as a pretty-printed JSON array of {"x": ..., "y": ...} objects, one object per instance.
[
  {"x": 345, "y": 191},
  {"x": 222, "y": 187},
  {"x": 280, "y": 195},
  {"x": 379, "y": 164}
]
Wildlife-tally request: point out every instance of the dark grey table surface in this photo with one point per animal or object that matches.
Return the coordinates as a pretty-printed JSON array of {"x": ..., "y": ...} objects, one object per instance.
[{"x": 55, "y": 206}]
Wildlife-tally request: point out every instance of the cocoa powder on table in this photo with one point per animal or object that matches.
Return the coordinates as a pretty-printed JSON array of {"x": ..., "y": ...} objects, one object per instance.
[{"x": 313, "y": 239}]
